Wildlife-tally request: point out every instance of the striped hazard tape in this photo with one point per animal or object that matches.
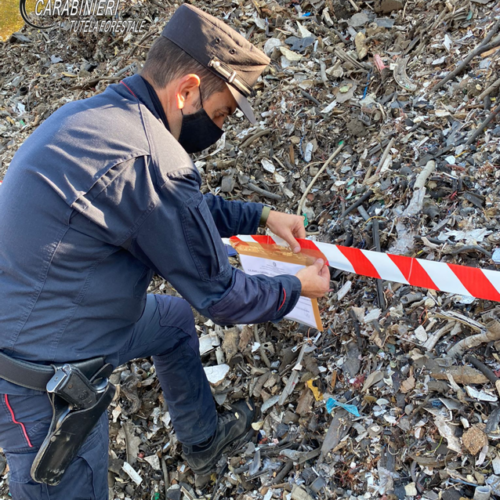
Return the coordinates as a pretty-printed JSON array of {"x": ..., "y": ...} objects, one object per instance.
[{"x": 452, "y": 278}]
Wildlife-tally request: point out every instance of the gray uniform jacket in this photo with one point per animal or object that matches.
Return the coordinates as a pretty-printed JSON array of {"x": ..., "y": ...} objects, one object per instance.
[{"x": 96, "y": 200}]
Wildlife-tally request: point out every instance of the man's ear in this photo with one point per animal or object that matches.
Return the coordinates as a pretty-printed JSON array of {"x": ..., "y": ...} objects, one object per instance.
[
  {"x": 180, "y": 101},
  {"x": 186, "y": 90}
]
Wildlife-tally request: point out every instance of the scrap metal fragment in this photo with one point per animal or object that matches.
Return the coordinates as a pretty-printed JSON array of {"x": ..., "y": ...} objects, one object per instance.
[
  {"x": 401, "y": 77},
  {"x": 290, "y": 386},
  {"x": 462, "y": 375},
  {"x": 339, "y": 427}
]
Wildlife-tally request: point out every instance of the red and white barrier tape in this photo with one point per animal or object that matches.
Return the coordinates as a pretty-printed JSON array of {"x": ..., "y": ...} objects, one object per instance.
[{"x": 451, "y": 278}]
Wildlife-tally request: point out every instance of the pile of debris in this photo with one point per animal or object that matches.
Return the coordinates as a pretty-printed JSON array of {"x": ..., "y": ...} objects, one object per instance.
[{"x": 378, "y": 122}]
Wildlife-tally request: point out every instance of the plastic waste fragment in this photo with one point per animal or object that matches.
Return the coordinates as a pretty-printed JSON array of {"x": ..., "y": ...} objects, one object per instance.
[
  {"x": 154, "y": 461},
  {"x": 332, "y": 403},
  {"x": 496, "y": 256},
  {"x": 255, "y": 464},
  {"x": 344, "y": 290},
  {"x": 318, "y": 395},
  {"x": 411, "y": 490},
  {"x": 379, "y": 64},
  {"x": 268, "y": 165},
  {"x": 480, "y": 395},
  {"x": 269, "y": 403},
  {"x": 132, "y": 473},
  {"x": 448, "y": 433},
  {"x": 271, "y": 44},
  {"x": 329, "y": 108},
  {"x": 216, "y": 374}
]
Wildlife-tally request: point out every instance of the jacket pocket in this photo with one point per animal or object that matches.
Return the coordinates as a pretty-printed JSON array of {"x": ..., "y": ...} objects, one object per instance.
[{"x": 203, "y": 239}]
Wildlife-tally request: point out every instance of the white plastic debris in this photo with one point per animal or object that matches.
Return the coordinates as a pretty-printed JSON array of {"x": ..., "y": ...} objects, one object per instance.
[
  {"x": 496, "y": 256},
  {"x": 304, "y": 33},
  {"x": 269, "y": 494},
  {"x": 269, "y": 403},
  {"x": 372, "y": 315},
  {"x": 329, "y": 108},
  {"x": 416, "y": 204},
  {"x": 480, "y": 395},
  {"x": 344, "y": 290},
  {"x": 216, "y": 374},
  {"x": 259, "y": 22},
  {"x": 255, "y": 346},
  {"x": 496, "y": 465},
  {"x": 154, "y": 461},
  {"x": 447, "y": 42},
  {"x": 482, "y": 493},
  {"x": 271, "y": 44},
  {"x": 268, "y": 165},
  {"x": 424, "y": 175},
  {"x": 421, "y": 334},
  {"x": 448, "y": 433},
  {"x": 132, "y": 473},
  {"x": 411, "y": 490},
  {"x": 308, "y": 151},
  {"x": 208, "y": 343},
  {"x": 279, "y": 178},
  {"x": 471, "y": 237},
  {"x": 439, "y": 61}
]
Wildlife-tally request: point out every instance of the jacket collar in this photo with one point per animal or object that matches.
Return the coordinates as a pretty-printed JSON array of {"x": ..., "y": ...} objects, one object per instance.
[{"x": 144, "y": 92}]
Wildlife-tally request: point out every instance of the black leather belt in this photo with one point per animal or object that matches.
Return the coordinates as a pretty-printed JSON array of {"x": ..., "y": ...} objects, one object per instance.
[{"x": 36, "y": 376}]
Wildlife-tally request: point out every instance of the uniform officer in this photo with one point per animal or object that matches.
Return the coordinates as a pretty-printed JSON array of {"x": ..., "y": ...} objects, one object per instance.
[{"x": 99, "y": 198}]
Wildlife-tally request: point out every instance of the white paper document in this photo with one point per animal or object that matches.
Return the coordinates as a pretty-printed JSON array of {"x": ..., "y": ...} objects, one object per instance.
[{"x": 306, "y": 311}]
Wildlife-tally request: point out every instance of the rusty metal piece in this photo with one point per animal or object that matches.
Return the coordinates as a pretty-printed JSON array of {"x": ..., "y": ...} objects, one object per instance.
[{"x": 475, "y": 439}]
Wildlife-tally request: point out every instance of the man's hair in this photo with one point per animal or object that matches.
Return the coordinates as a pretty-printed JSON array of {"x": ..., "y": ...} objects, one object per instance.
[{"x": 166, "y": 62}]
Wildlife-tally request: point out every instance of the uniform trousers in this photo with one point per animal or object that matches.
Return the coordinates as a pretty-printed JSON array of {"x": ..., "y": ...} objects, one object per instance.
[{"x": 165, "y": 331}]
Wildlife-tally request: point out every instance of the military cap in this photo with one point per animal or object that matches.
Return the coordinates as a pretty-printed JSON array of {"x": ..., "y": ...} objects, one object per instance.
[{"x": 219, "y": 48}]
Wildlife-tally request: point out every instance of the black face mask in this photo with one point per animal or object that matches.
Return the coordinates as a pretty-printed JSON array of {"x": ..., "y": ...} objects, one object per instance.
[{"x": 198, "y": 131}]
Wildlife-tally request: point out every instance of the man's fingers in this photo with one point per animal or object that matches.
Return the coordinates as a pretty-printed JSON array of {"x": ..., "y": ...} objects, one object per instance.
[
  {"x": 315, "y": 279},
  {"x": 300, "y": 231},
  {"x": 294, "y": 244},
  {"x": 325, "y": 272},
  {"x": 319, "y": 264}
]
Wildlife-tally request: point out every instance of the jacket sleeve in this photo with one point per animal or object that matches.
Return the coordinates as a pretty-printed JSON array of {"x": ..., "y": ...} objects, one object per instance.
[
  {"x": 234, "y": 217},
  {"x": 179, "y": 240}
]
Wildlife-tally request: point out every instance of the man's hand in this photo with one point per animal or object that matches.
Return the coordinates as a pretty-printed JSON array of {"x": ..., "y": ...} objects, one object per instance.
[
  {"x": 315, "y": 280},
  {"x": 288, "y": 227}
]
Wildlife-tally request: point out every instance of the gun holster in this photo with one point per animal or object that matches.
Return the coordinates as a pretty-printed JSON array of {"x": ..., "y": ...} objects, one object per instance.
[{"x": 76, "y": 411}]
